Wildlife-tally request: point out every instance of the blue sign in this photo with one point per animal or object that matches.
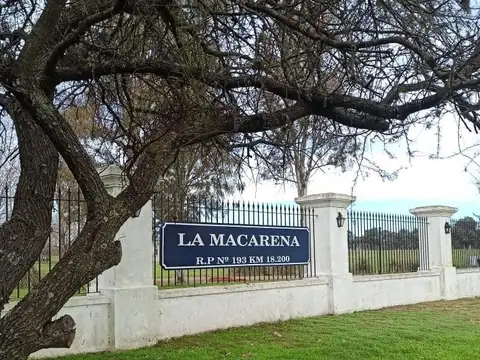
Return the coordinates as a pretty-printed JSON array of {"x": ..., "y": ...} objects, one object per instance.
[{"x": 188, "y": 245}]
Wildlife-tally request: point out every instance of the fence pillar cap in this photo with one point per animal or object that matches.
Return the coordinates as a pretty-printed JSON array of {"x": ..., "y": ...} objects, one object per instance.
[
  {"x": 326, "y": 200},
  {"x": 111, "y": 175},
  {"x": 434, "y": 211}
]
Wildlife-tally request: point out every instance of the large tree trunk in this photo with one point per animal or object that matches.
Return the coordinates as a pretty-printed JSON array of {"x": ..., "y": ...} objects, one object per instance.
[
  {"x": 23, "y": 237},
  {"x": 28, "y": 328}
]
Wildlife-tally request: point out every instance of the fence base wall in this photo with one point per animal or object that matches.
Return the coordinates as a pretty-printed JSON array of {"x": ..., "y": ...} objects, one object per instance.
[
  {"x": 192, "y": 311},
  {"x": 91, "y": 315},
  {"x": 178, "y": 312},
  {"x": 381, "y": 291},
  {"x": 133, "y": 317},
  {"x": 468, "y": 283}
]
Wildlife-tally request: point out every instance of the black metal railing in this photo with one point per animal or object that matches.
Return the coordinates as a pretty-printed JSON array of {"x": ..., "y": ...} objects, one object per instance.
[
  {"x": 386, "y": 243},
  {"x": 465, "y": 233},
  {"x": 68, "y": 217},
  {"x": 224, "y": 212}
]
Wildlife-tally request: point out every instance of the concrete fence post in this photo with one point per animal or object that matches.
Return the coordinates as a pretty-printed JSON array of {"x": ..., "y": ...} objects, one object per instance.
[
  {"x": 439, "y": 246},
  {"x": 331, "y": 246},
  {"x": 129, "y": 285}
]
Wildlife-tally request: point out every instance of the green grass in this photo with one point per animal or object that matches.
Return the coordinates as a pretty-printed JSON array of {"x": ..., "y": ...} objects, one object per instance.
[
  {"x": 461, "y": 257},
  {"x": 435, "y": 331},
  {"x": 30, "y": 280},
  {"x": 384, "y": 261},
  {"x": 398, "y": 261}
]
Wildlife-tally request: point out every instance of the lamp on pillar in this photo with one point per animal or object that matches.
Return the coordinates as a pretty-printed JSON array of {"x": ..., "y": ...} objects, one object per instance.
[
  {"x": 448, "y": 228},
  {"x": 340, "y": 220}
]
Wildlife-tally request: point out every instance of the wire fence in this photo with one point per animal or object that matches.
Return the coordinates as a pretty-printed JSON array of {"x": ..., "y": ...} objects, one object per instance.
[
  {"x": 68, "y": 218},
  {"x": 465, "y": 233},
  {"x": 386, "y": 243},
  {"x": 224, "y": 212}
]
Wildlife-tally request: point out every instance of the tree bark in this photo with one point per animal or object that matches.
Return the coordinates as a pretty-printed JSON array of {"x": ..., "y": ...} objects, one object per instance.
[
  {"x": 23, "y": 237},
  {"x": 28, "y": 328}
]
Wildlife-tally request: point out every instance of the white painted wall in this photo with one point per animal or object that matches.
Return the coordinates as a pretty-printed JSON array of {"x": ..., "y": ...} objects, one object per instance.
[
  {"x": 468, "y": 283},
  {"x": 92, "y": 331},
  {"x": 376, "y": 292},
  {"x": 191, "y": 311}
]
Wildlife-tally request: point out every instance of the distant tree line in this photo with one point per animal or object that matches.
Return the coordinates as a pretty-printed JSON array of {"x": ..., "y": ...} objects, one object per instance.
[
  {"x": 382, "y": 239},
  {"x": 465, "y": 233}
]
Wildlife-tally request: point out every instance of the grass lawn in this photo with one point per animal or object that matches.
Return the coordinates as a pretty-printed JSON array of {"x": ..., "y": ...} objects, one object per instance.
[
  {"x": 384, "y": 261},
  {"x": 435, "y": 331}
]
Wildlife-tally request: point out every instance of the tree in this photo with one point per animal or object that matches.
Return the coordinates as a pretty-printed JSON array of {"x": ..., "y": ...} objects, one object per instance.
[
  {"x": 194, "y": 186},
  {"x": 201, "y": 175},
  {"x": 295, "y": 153},
  {"x": 465, "y": 233},
  {"x": 203, "y": 76}
]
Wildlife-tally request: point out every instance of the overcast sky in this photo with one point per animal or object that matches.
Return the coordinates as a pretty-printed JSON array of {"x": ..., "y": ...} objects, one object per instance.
[{"x": 424, "y": 181}]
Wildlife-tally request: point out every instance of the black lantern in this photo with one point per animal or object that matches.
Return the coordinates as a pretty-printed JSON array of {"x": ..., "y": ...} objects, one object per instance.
[
  {"x": 448, "y": 228},
  {"x": 340, "y": 220}
]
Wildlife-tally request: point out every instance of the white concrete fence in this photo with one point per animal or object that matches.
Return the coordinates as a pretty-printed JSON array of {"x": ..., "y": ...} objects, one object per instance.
[{"x": 130, "y": 312}]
